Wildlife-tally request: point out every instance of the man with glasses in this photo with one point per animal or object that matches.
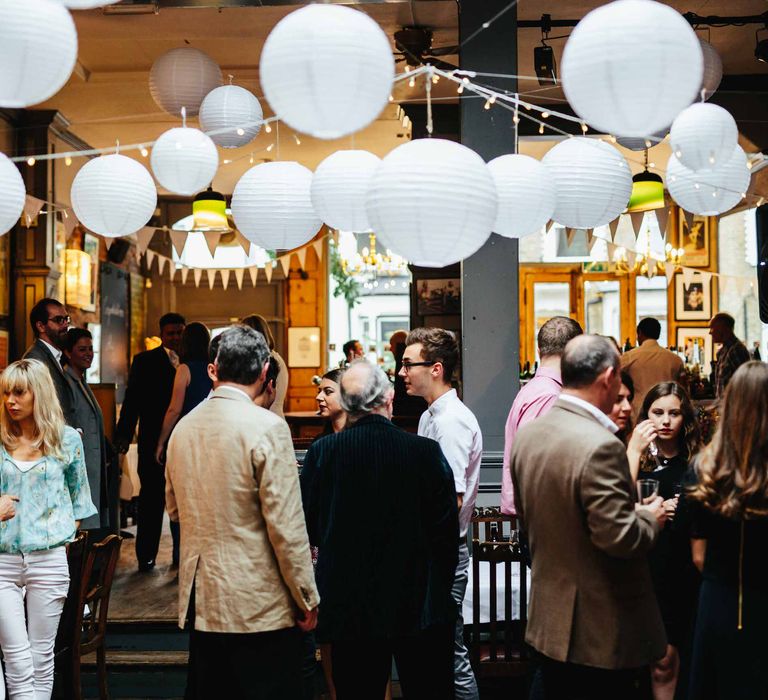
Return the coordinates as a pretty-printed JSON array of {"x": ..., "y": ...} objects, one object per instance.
[
  {"x": 429, "y": 360},
  {"x": 50, "y": 322}
]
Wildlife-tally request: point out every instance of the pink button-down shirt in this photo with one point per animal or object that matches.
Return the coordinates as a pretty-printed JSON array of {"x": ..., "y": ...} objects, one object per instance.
[{"x": 533, "y": 400}]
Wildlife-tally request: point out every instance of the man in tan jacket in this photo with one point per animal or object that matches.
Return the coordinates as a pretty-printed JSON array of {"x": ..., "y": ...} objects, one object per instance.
[
  {"x": 593, "y": 615},
  {"x": 246, "y": 581}
]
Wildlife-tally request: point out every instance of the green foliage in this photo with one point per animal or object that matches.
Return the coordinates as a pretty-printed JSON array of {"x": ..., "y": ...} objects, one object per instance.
[{"x": 346, "y": 286}]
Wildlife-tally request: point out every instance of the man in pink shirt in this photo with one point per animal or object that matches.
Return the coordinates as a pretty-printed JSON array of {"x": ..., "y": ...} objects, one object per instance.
[{"x": 538, "y": 395}]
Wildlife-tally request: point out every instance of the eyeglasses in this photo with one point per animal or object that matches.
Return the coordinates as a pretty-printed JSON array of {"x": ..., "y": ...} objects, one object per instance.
[
  {"x": 60, "y": 319},
  {"x": 407, "y": 365}
]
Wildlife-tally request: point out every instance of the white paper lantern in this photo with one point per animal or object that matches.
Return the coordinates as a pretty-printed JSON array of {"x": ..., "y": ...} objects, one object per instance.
[
  {"x": 526, "y": 195},
  {"x": 231, "y": 107},
  {"x": 592, "y": 181},
  {"x": 184, "y": 160},
  {"x": 271, "y": 205},
  {"x": 640, "y": 143},
  {"x": 86, "y": 4},
  {"x": 339, "y": 186},
  {"x": 182, "y": 78},
  {"x": 113, "y": 195},
  {"x": 433, "y": 201},
  {"x": 703, "y": 136},
  {"x": 38, "y": 50},
  {"x": 709, "y": 192},
  {"x": 713, "y": 69},
  {"x": 327, "y": 70},
  {"x": 12, "y": 194},
  {"x": 630, "y": 66}
]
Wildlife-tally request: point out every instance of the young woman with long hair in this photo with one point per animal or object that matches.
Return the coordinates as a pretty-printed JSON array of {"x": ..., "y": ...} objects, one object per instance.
[
  {"x": 328, "y": 402},
  {"x": 41, "y": 463}
]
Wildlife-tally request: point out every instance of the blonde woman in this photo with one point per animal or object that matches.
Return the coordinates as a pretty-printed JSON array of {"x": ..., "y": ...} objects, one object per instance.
[{"x": 42, "y": 464}]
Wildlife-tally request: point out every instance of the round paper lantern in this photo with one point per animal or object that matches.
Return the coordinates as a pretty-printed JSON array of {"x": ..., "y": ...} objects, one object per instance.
[
  {"x": 713, "y": 69},
  {"x": 182, "y": 78},
  {"x": 630, "y": 66},
  {"x": 113, "y": 195},
  {"x": 327, "y": 70},
  {"x": 12, "y": 194},
  {"x": 592, "y": 181},
  {"x": 38, "y": 50},
  {"x": 271, "y": 205},
  {"x": 526, "y": 195},
  {"x": 339, "y": 186},
  {"x": 703, "y": 136},
  {"x": 433, "y": 201},
  {"x": 87, "y": 4},
  {"x": 184, "y": 160},
  {"x": 231, "y": 107},
  {"x": 709, "y": 192},
  {"x": 640, "y": 143}
]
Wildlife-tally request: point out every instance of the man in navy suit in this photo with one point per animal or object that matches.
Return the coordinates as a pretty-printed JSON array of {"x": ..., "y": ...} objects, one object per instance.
[{"x": 381, "y": 507}]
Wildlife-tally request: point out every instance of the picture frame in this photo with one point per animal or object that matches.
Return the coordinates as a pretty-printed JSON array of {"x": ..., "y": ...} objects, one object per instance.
[
  {"x": 304, "y": 346},
  {"x": 91, "y": 246},
  {"x": 693, "y": 300},
  {"x": 438, "y": 296},
  {"x": 696, "y": 343},
  {"x": 695, "y": 241}
]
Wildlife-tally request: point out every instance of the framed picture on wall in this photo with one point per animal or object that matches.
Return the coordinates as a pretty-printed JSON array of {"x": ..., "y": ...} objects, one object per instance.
[
  {"x": 696, "y": 343},
  {"x": 91, "y": 246},
  {"x": 695, "y": 240},
  {"x": 693, "y": 301},
  {"x": 438, "y": 296},
  {"x": 304, "y": 346}
]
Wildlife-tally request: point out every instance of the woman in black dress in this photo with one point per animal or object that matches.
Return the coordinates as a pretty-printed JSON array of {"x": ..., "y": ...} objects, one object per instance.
[
  {"x": 668, "y": 418},
  {"x": 730, "y": 527}
]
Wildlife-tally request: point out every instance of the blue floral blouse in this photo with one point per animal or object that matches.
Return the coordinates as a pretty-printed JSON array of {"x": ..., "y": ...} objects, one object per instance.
[{"x": 52, "y": 496}]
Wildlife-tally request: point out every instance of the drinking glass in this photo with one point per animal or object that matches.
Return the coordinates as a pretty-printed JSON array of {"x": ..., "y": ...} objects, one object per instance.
[{"x": 647, "y": 490}]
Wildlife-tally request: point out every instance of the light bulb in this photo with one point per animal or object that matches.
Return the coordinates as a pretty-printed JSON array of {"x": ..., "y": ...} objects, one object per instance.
[
  {"x": 67, "y": 161},
  {"x": 31, "y": 161},
  {"x": 267, "y": 128}
]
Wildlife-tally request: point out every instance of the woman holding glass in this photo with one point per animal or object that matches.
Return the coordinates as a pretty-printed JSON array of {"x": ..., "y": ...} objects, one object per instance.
[{"x": 42, "y": 464}]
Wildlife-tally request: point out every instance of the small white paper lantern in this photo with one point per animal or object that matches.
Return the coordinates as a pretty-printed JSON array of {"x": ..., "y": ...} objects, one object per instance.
[
  {"x": 231, "y": 107},
  {"x": 703, "y": 136},
  {"x": 630, "y": 66},
  {"x": 592, "y": 181},
  {"x": 38, "y": 50},
  {"x": 339, "y": 186},
  {"x": 526, "y": 195},
  {"x": 184, "y": 160},
  {"x": 327, "y": 70},
  {"x": 12, "y": 194},
  {"x": 182, "y": 78},
  {"x": 113, "y": 195},
  {"x": 713, "y": 69},
  {"x": 433, "y": 201},
  {"x": 271, "y": 205},
  {"x": 709, "y": 192}
]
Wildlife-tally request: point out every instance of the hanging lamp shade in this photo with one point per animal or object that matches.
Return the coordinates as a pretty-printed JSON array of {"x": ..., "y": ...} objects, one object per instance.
[
  {"x": 630, "y": 66},
  {"x": 713, "y": 69},
  {"x": 113, "y": 195},
  {"x": 209, "y": 211},
  {"x": 182, "y": 78},
  {"x": 184, "y": 160},
  {"x": 327, "y": 70},
  {"x": 12, "y": 194},
  {"x": 235, "y": 109},
  {"x": 703, "y": 136},
  {"x": 433, "y": 201},
  {"x": 647, "y": 192},
  {"x": 38, "y": 50}
]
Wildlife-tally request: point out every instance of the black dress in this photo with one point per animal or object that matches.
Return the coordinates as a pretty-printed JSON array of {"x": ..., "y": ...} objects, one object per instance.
[{"x": 730, "y": 647}]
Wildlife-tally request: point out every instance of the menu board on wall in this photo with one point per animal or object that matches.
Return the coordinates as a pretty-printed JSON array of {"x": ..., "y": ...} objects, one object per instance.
[{"x": 114, "y": 327}]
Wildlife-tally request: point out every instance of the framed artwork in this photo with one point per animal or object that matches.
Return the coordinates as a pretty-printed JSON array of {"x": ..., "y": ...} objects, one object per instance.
[
  {"x": 304, "y": 346},
  {"x": 693, "y": 301},
  {"x": 696, "y": 240},
  {"x": 696, "y": 343},
  {"x": 91, "y": 246},
  {"x": 438, "y": 296},
  {"x": 93, "y": 375}
]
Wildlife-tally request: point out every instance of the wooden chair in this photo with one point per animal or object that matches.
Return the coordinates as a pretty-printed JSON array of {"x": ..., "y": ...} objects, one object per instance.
[{"x": 497, "y": 648}]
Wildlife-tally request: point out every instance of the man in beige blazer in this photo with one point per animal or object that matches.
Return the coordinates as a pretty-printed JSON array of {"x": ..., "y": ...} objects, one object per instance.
[
  {"x": 246, "y": 581},
  {"x": 593, "y": 615}
]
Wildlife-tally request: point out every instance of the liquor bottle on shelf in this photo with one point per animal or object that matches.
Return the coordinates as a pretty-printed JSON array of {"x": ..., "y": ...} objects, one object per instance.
[
  {"x": 526, "y": 375},
  {"x": 535, "y": 369},
  {"x": 627, "y": 345}
]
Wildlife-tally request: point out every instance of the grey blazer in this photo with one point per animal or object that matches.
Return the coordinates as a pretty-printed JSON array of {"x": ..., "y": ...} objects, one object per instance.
[{"x": 38, "y": 351}]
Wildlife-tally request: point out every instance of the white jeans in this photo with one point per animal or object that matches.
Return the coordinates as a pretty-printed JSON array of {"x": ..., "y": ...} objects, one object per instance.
[{"x": 42, "y": 578}]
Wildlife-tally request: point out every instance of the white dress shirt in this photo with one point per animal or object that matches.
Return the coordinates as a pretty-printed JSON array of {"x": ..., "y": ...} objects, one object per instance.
[
  {"x": 449, "y": 422},
  {"x": 593, "y": 410},
  {"x": 53, "y": 350}
]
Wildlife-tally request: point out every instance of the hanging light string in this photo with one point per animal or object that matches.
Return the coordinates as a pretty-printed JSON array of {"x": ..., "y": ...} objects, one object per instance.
[{"x": 430, "y": 74}]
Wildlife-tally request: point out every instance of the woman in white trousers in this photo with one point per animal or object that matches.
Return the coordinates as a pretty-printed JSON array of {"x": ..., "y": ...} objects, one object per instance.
[{"x": 42, "y": 466}]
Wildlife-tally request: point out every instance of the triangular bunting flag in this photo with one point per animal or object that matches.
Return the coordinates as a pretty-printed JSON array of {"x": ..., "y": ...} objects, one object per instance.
[
  {"x": 212, "y": 240},
  {"x": 591, "y": 244},
  {"x": 253, "y": 272},
  {"x": 613, "y": 225},
  {"x": 244, "y": 243},
  {"x": 637, "y": 221},
  {"x": 285, "y": 263},
  {"x": 268, "y": 270},
  {"x": 197, "y": 273},
  {"x": 211, "y": 278},
  {"x": 688, "y": 274},
  {"x": 239, "y": 273},
  {"x": 172, "y": 271},
  {"x": 590, "y": 237},
  {"x": 569, "y": 234},
  {"x": 669, "y": 271},
  {"x": 108, "y": 242},
  {"x": 301, "y": 254},
  {"x": 318, "y": 246},
  {"x": 150, "y": 257},
  {"x": 631, "y": 259},
  {"x": 161, "y": 260},
  {"x": 178, "y": 240},
  {"x": 549, "y": 225},
  {"x": 662, "y": 216},
  {"x": 32, "y": 207},
  {"x": 144, "y": 237},
  {"x": 225, "y": 277},
  {"x": 688, "y": 218},
  {"x": 184, "y": 274},
  {"x": 69, "y": 220},
  {"x": 611, "y": 251},
  {"x": 705, "y": 278}
]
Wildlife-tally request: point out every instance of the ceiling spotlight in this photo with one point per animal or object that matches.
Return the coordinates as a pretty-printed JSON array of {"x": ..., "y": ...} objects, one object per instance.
[{"x": 544, "y": 56}]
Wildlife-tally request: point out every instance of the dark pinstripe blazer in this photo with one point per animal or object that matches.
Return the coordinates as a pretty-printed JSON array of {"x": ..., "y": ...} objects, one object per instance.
[{"x": 380, "y": 504}]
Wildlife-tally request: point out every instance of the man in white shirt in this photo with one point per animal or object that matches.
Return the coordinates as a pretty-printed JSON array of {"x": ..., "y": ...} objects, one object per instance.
[{"x": 430, "y": 357}]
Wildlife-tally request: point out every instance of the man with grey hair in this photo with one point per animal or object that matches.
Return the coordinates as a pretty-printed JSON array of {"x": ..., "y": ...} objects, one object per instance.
[
  {"x": 593, "y": 616},
  {"x": 381, "y": 507},
  {"x": 245, "y": 581}
]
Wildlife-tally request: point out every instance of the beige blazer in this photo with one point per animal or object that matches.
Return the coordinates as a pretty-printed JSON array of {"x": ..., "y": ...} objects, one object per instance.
[
  {"x": 592, "y": 601},
  {"x": 648, "y": 365},
  {"x": 232, "y": 483}
]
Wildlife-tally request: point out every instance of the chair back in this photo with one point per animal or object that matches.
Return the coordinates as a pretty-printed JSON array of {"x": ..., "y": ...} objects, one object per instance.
[{"x": 67, "y": 636}]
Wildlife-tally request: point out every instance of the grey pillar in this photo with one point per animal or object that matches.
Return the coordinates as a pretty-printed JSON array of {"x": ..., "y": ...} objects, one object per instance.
[{"x": 490, "y": 311}]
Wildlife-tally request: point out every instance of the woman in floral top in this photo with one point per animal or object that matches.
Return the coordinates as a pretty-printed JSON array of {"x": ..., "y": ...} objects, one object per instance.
[{"x": 41, "y": 465}]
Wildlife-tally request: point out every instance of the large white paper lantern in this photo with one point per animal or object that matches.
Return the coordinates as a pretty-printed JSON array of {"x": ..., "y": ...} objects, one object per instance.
[
  {"x": 592, "y": 181},
  {"x": 339, "y": 186},
  {"x": 526, "y": 195},
  {"x": 234, "y": 108},
  {"x": 709, "y": 192},
  {"x": 630, "y": 66},
  {"x": 272, "y": 207},
  {"x": 327, "y": 70},
  {"x": 12, "y": 194},
  {"x": 182, "y": 78},
  {"x": 433, "y": 201},
  {"x": 113, "y": 195},
  {"x": 184, "y": 160},
  {"x": 703, "y": 136},
  {"x": 38, "y": 50},
  {"x": 640, "y": 143},
  {"x": 713, "y": 69}
]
